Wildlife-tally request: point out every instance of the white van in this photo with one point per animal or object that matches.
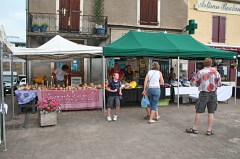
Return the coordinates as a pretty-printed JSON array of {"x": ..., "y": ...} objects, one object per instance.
[{"x": 7, "y": 80}]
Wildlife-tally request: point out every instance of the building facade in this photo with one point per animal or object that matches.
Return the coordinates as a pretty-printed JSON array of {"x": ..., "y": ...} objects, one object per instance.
[
  {"x": 218, "y": 26},
  {"x": 77, "y": 21}
]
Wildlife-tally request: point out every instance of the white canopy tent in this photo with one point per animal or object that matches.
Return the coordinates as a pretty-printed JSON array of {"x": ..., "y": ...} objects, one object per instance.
[{"x": 58, "y": 48}]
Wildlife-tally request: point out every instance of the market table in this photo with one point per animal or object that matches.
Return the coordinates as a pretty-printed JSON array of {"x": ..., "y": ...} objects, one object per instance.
[
  {"x": 75, "y": 99},
  {"x": 223, "y": 93},
  {"x": 26, "y": 98},
  {"x": 135, "y": 94}
]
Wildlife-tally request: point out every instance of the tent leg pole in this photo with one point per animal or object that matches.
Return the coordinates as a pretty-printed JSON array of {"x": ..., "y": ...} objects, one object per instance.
[
  {"x": 2, "y": 121},
  {"x": 12, "y": 90},
  {"x": 178, "y": 80},
  {"x": 103, "y": 83},
  {"x": 90, "y": 69},
  {"x": 235, "y": 90}
]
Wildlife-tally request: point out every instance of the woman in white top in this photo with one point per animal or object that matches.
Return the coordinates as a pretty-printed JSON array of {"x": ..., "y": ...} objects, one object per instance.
[{"x": 154, "y": 76}]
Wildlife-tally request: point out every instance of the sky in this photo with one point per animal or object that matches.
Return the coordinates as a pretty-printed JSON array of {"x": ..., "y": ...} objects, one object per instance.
[{"x": 13, "y": 17}]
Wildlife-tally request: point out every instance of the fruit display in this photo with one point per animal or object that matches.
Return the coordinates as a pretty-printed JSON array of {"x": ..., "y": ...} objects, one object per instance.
[
  {"x": 106, "y": 84},
  {"x": 133, "y": 84},
  {"x": 166, "y": 85},
  {"x": 40, "y": 79},
  {"x": 45, "y": 87}
]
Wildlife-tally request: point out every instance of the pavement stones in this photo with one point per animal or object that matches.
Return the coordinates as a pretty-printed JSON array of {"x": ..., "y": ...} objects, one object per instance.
[{"x": 87, "y": 134}]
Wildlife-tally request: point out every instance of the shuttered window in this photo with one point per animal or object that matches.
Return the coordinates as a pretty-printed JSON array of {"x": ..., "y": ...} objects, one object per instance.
[
  {"x": 148, "y": 12},
  {"x": 218, "y": 29}
]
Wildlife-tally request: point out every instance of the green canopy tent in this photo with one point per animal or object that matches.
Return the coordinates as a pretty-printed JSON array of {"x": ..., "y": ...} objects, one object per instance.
[{"x": 163, "y": 45}]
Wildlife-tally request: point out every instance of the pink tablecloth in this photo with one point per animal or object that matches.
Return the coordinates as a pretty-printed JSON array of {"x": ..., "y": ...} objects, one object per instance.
[{"x": 75, "y": 99}]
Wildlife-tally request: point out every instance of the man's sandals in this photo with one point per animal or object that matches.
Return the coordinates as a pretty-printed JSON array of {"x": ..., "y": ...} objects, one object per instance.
[
  {"x": 209, "y": 133},
  {"x": 191, "y": 130}
]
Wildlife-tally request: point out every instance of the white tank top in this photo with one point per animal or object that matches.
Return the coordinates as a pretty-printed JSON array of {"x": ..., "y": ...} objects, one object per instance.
[{"x": 154, "y": 78}]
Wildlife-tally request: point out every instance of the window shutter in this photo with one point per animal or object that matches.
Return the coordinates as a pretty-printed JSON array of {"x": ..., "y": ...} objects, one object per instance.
[
  {"x": 222, "y": 29},
  {"x": 143, "y": 12},
  {"x": 215, "y": 27},
  {"x": 153, "y": 12}
]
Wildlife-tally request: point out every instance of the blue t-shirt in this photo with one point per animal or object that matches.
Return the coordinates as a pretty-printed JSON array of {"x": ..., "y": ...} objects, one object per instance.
[{"x": 114, "y": 85}]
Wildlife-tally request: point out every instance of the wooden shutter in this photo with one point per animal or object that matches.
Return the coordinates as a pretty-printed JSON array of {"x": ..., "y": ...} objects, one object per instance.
[
  {"x": 222, "y": 29},
  {"x": 63, "y": 18},
  {"x": 144, "y": 12},
  {"x": 215, "y": 28},
  {"x": 153, "y": 12},
  {"x": 74, "y": 14}
]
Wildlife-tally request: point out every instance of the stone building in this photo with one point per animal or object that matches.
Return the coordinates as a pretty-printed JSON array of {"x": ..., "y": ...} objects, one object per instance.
[
  {"x": 77, "y": 21},
  {"x": 218, "y": 26}
]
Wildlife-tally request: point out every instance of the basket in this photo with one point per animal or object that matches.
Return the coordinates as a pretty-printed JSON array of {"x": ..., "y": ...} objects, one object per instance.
[{"x": 163, "y": 102}]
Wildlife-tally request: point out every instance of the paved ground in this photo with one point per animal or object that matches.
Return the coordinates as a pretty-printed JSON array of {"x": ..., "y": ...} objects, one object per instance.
[{"x": 87, "y": 134}]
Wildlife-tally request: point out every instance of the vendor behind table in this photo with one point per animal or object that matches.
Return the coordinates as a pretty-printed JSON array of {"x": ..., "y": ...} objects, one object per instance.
[
  {"x": 59, "y": 75},
  {"x": 128, "y": 74},
  {"x": 115, "y": 70}
]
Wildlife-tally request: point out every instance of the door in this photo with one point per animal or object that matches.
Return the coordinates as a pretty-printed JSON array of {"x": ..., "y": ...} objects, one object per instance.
[
  {"x": 69, "y": 15},
  {"x": 76, "y": 66}
]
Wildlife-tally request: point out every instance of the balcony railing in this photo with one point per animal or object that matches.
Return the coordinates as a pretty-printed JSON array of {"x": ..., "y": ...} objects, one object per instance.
[{"x": 65, "y": 23}]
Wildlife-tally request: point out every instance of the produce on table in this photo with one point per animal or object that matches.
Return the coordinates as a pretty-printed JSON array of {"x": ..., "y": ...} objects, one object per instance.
[
  {"x": 133, "y": 84},
  {"x": 44, "y": 87}
]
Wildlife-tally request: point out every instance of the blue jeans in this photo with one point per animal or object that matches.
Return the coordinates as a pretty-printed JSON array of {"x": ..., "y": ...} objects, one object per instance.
[
  {"x": 61, "y": 83},
  {"x": 153, "y": 97}
]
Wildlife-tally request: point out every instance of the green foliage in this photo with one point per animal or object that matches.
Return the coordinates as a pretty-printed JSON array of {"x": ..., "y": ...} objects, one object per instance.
[
  {"x": 45, "y": 24},
  {"x": 35, "y": 24},
  {"x": 98, "y": 11}
]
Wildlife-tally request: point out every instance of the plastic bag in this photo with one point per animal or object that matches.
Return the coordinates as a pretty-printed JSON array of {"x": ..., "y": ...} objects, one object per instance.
[
  {"x": 144, "y": 102},
  {"x": 120, "y": 97}
]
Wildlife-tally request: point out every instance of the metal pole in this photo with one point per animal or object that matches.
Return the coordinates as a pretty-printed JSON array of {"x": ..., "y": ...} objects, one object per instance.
[
  {"x": 103, "y": 84},
  {"x": 90, "y": 69},
  {"x": 12, "y": 90},
  {"x": 235, "y": 90},
  {"x": 27, "y": 27},
  {"x": 178, "y": 79},
  {"x": 2, "y": 98},
  {"x": 2, "y": 92}
]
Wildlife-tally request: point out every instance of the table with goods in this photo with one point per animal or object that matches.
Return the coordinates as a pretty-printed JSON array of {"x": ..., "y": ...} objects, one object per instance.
[
  {"x": 132, "y": 92},
  {"x": 71, "y": 97}
]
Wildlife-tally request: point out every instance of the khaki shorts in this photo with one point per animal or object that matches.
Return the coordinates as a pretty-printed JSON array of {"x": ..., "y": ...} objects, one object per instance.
[
  {"x": 208, "y": 99},
  {"x": 113, "y": 101}
]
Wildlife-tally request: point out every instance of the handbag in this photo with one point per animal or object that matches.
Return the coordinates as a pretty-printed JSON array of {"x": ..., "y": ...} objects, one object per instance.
[{"x": 144, "y": 102}]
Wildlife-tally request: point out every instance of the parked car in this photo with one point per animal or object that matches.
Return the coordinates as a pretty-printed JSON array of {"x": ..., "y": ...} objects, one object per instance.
[
  {"x": 22, "y": 81},
  {"x": 7, "y": 81}
]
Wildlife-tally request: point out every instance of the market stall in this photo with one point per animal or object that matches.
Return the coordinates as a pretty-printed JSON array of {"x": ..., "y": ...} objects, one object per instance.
[
  {"x": 59, "y": 48},
  {"x": 155, "y": 45}
]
